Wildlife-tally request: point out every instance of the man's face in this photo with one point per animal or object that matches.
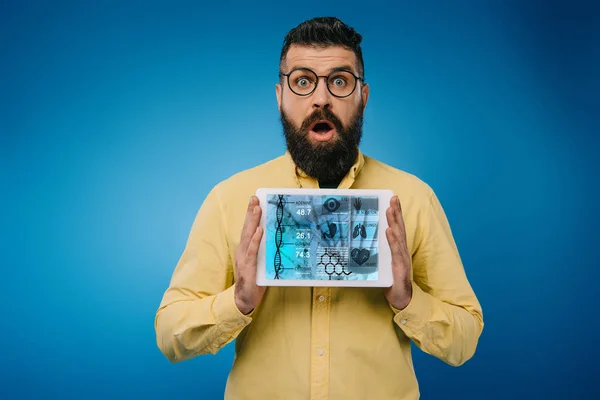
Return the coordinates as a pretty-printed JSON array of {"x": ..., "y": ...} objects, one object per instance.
[{"x": 322, "y": 131}]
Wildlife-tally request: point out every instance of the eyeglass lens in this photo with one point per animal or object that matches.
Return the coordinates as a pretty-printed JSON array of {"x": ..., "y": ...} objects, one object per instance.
[{"x": 303, "y": 82}]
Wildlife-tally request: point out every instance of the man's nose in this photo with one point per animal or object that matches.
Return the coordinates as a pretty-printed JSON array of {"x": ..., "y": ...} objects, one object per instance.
[{"x": 321, "y": 95}]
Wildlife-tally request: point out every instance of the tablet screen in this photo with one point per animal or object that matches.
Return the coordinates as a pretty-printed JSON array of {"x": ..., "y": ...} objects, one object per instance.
[{"x": 321, "y": 237}]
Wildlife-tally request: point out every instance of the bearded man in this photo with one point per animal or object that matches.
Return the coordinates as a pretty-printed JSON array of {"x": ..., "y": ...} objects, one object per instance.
[{"x": 320, "y": 342}]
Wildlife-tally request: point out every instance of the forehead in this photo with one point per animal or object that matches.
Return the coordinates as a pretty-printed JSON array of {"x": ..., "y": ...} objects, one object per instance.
[{"x": 320, "y": 59}]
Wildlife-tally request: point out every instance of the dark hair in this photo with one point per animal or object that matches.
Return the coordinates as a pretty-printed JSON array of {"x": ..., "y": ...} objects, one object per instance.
[{"x": 323, "y": 32}]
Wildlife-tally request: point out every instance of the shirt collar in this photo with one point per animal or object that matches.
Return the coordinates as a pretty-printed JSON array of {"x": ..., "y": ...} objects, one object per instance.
[{"x": 305, "y": 181}]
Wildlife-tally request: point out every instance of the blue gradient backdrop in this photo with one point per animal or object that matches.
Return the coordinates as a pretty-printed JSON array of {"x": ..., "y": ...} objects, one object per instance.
[{"x": 117, "y": 118}]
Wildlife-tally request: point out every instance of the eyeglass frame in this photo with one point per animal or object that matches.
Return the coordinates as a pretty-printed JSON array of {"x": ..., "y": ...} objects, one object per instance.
[{"x": 357, "y": 79}]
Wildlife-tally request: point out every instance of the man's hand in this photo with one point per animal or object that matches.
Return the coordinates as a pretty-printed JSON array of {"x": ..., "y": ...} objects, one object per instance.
[
  {"x": 400, "y": 294},
  {"x": 247, "y": 294}
]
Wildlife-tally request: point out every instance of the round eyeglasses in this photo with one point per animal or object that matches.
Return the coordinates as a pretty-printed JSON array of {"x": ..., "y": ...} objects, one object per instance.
[{"x": 340, "y": 83}]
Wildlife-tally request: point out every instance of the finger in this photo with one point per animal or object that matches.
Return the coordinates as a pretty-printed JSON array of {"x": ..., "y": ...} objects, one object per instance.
[
  {"x": 253, "y": 245},
  {"x": 400, "y": 261},
  {"x": 391, "y": 217},
  {"x": 253, "y": 223},
  {"x": 251, "y": 203},
  {"x": 396, "y": 223},
  {"x": 398, "y": 210},
  {"x": 394, "y": 246},
  {"x": 393, "y": 223},
  {"x": 250, "y": 224},
  {"x": 397, "y": 207}
]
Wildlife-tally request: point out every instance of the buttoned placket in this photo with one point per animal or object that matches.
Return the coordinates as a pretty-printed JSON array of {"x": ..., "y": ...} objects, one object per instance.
[
  {"x": 319, "y": 388},
  {"x": 321, "y": 304}
]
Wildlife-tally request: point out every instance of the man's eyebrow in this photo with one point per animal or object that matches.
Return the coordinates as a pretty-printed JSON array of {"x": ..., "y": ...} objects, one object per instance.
[{"x": 344, "y": 67}]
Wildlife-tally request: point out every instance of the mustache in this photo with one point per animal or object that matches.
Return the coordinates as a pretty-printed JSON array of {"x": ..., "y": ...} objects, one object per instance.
[
  {"x": 326, "y": 162},
  {"x": 320, "y": 114}
]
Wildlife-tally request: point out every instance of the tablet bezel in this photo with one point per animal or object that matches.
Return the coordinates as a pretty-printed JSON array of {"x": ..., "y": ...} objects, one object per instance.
[{"x": 385, "y": 278}]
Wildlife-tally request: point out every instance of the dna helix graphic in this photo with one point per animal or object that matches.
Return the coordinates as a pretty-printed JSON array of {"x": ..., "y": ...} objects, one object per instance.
[{"x": 278, "y": 236}]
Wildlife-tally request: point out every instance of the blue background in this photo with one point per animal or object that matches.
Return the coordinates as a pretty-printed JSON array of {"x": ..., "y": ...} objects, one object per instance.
[{"x": 117, "y": 118}]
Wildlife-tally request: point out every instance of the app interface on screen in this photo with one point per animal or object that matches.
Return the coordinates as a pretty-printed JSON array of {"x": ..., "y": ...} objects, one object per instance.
[{"x": 321, "y": 237}]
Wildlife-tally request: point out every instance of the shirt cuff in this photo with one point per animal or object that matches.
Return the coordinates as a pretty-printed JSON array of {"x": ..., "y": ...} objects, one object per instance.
[
  {"x": 414, "y": 316},
  {"x": 227, "y": 315}
]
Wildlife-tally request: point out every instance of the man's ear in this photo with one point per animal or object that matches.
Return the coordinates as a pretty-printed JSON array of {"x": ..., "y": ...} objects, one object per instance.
[
  {"x": 365, "y": 95},
  {"x": 278, "y": 95}
]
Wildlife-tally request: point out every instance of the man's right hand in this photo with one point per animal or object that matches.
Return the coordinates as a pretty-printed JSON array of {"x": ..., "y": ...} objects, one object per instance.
[{"x": 247, "y": 294}]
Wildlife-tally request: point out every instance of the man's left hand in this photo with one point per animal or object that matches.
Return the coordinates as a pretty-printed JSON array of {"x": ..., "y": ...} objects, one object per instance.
[{"x": 400, "y": 293}]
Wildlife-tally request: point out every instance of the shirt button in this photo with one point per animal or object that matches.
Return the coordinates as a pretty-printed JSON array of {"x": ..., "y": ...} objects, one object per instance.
[
  {"x": 321, "y": 298},
  {"x": 321, "y": 352},
  {"x": 403, "y": 322}
]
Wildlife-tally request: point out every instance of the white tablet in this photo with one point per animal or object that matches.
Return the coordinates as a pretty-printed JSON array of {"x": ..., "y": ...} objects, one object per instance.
[{"x": 324, "y": 237}]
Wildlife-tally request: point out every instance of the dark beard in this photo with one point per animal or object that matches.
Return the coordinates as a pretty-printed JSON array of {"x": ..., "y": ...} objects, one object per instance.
[{"x": 326, "y": 162}]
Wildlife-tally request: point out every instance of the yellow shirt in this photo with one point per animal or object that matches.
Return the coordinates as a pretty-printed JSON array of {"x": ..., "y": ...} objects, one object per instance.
[{"x": 319, "y": 343}]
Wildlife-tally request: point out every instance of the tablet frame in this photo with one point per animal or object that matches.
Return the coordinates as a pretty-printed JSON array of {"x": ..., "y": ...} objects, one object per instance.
[{"x": 385, "y": 277}]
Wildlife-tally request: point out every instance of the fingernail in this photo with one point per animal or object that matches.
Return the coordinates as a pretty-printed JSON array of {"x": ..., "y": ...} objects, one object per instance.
[
  {"x": 255, "y": 210},
  {"x": 250, "y": 201}
]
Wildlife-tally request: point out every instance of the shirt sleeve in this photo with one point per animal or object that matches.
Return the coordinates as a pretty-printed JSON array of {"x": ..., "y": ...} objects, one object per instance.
[
  {"x": 444, "y": 317},
  {"x": 198, "y": 314}
]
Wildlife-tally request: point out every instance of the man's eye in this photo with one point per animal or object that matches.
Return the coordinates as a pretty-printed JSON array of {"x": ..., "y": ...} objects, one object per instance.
[
  {"x": 339, "y": 81},
  {"x": 304, "y": 82}
]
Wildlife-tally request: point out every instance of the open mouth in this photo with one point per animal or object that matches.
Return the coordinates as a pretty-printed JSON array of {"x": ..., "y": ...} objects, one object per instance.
[{"x": 322, "y": 127}]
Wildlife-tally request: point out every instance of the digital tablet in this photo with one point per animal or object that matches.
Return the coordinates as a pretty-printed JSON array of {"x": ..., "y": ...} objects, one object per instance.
[{"x": 324, "y": 237}]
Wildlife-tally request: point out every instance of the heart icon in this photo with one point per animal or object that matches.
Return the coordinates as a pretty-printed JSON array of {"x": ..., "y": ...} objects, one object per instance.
[{"x": 360, "y": 256}]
